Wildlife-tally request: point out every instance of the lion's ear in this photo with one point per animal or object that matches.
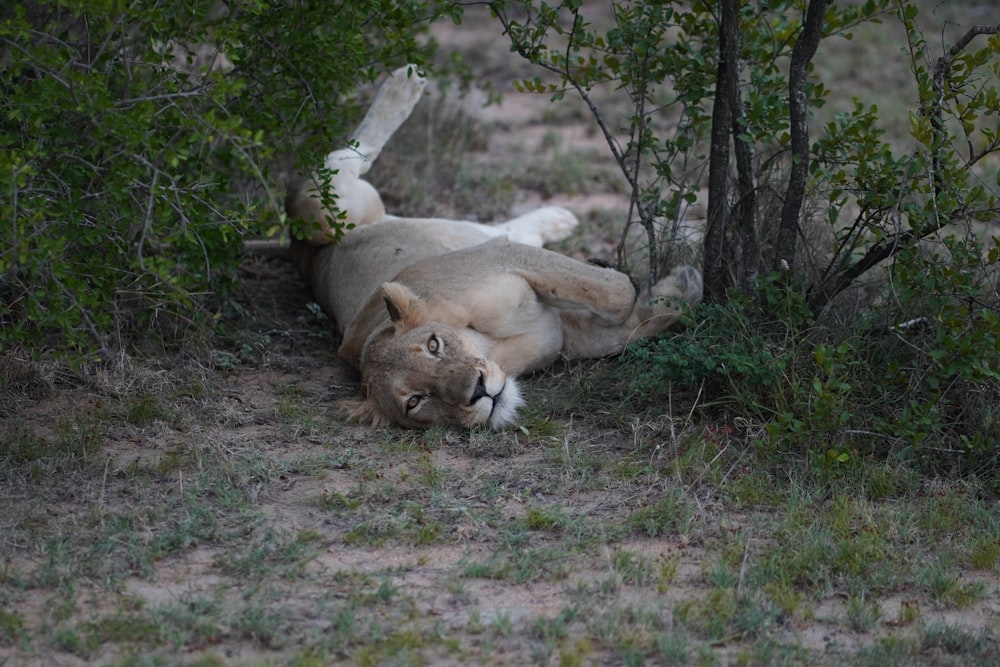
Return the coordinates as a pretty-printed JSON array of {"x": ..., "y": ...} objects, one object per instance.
[
  {"x": 405, "y": 308},
  {"x": 363, "y": 410}
]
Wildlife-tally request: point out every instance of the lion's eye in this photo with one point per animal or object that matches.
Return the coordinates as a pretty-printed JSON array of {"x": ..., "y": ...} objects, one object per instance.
[
  {"x": 412, "y": 402},
  {"x": 433, "y": 344}
]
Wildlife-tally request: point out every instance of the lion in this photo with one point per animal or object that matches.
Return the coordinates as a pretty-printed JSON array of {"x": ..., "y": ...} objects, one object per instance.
[{"x": 441, "y": 317}]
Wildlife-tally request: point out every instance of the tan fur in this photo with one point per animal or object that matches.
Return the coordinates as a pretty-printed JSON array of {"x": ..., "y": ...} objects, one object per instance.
[{"x": 440, "y": 316}]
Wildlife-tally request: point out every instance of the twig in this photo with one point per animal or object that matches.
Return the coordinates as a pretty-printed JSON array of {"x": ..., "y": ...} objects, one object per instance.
[{"x": 146, "y": 222}]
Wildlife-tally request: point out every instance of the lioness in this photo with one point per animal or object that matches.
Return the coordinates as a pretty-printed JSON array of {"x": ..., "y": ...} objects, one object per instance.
[{"x": 440, "y": 316}]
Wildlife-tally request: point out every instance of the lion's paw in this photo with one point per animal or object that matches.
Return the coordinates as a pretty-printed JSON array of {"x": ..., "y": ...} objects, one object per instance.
[
  {"x": 400, "y": 92},
  {"x": 684, "y": 283},
  {"x": 548, "y": 224}
]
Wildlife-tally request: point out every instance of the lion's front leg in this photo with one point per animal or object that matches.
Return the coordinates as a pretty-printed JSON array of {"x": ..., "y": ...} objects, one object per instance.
[
  {"x": 655, "y": 311},
  {"x": 538, "y": 345},
  {"x": 549, "y": 224}
]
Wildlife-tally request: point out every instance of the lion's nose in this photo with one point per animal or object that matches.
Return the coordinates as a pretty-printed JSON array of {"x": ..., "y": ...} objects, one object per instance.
[{"x": 480, "y": 389}]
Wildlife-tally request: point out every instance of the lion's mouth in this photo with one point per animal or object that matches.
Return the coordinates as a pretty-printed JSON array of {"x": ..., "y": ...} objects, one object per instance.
[
  {"x": 496, "y": 401},
  {"x": 480, "y": 392},
  {"x": 505, "y": 404}
]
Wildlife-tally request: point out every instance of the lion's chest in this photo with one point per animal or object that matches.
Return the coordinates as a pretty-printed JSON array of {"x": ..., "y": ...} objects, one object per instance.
[
  {"x": 511, "y": 326},
  {"x": 504, "y": 305}
]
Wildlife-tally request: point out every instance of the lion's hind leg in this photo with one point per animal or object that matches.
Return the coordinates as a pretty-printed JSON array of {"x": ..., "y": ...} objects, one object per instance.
[
  {"x": 356, "y": 199},
  {"x": 392, "y": 105}
]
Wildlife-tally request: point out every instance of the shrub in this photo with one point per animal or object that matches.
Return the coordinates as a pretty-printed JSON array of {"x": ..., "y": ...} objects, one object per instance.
[{"x": 140, "y": 143}]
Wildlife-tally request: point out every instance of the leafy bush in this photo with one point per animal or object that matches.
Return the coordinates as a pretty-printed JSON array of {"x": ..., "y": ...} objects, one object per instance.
[
  {"x": 944, "y": 361},
  {"x": 721, "y": 348},
  {"x": 925, "y": 390},
  {"x": 140, "y": 143}
]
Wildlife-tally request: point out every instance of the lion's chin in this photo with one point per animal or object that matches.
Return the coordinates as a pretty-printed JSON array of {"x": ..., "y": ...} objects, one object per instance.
[{"x": 505, "y": 405}]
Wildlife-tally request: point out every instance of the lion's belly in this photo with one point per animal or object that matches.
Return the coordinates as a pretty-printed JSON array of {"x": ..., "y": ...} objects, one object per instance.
[{"x": 344, "y": 276}]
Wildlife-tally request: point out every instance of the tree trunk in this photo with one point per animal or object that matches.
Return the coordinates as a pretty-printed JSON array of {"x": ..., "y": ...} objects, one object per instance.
[
  {"x": 802, "y": 54},
  {"x": 745, "y": 210},
  {"x": 716, "y": 276}
]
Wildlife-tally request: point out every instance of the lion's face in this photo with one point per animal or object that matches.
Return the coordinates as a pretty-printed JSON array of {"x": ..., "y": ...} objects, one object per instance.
[
  {"x": 420, "y": 373},
  {"x": 428, "y": 376}
]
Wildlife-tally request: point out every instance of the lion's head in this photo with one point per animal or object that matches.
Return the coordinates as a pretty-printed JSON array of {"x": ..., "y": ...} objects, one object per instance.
[{"x": 418, "y": 372}]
